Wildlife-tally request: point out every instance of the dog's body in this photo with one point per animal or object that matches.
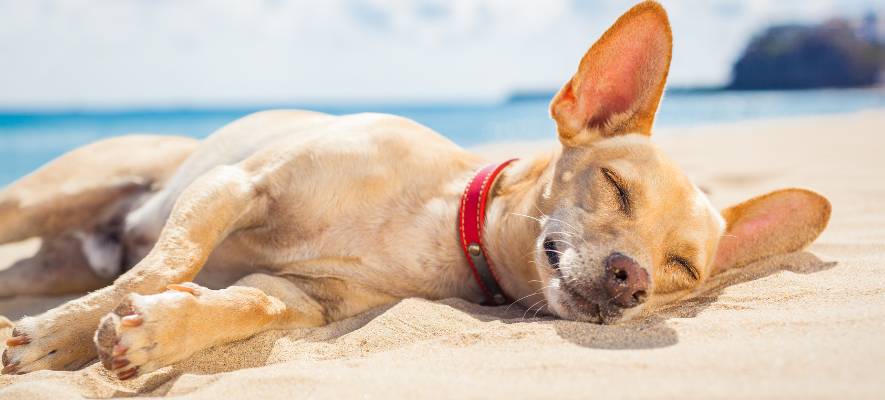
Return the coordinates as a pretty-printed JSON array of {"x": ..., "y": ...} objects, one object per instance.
[
  {"x": 313, "y": 218},
  {"x": 393, "y": 183}
]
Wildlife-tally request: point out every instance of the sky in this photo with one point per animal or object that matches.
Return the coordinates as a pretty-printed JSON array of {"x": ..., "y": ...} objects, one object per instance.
[{"x": 130, "y": 53}]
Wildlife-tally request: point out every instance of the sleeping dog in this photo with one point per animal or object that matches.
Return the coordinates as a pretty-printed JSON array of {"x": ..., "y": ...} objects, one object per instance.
[{"x": 298, "y": 218}]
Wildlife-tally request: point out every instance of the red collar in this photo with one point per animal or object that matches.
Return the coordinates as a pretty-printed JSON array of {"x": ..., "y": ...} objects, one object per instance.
[{"x": 471, "y": 223}]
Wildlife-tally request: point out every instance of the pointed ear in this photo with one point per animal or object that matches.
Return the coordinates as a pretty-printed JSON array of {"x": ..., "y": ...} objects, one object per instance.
[
  {"x": 779, "y": 222},
  {"x": 620, "y": 80}
]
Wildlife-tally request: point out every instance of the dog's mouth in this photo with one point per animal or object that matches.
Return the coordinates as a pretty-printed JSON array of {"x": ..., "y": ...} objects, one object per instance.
[
  {"x": 552, "y": 252},
  {"x": 584, "y": 309},
  {"x": 579, "y": 304}
]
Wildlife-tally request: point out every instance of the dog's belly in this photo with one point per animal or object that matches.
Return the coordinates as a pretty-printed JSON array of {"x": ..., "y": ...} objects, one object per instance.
[
  {"x": 371, "y": 198},
  {"x": 227, "y": 146},
  {"x": 368, "y": 197}
]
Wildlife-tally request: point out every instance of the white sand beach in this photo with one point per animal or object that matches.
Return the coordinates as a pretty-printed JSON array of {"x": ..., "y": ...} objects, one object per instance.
[{"x": 804, "y": 325}]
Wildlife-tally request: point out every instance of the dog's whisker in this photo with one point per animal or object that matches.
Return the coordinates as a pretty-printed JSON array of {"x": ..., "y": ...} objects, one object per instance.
[
  {"x": 530, "y": 308},
  {"x": 523, "y": 297},
  {"x": 527, "y": 216},
  {"x": 564, "y": 241},
  {"x": 564, "y": 233},
  {"x": 563, "y": 222},
  {"x": 539, "y": 310},
  {"x": 539, "y": 210},
  {"x": 530, "y": 253}
]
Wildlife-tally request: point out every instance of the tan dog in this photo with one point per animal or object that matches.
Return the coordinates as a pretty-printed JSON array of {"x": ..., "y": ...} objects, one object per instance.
[{"x": 315, "y": 218}]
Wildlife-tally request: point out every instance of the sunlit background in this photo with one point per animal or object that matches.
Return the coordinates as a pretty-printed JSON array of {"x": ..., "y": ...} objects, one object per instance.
[{"x": 73, "y": 71}]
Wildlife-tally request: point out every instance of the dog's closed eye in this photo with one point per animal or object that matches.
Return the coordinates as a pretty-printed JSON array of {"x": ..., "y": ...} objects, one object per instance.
[
  {"x": 686, "y": 265},
  {"x": 618, "y": 184}
]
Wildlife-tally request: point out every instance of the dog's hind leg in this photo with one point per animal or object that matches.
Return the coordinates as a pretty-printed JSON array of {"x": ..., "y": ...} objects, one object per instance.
[
  {"x": 51, "y": 213},
  {"x": 218, "y": 203},
  {"x": 87, "y": 185},
  {"x": 60, "y": 266},
  {"x": 76, "y": 205}
]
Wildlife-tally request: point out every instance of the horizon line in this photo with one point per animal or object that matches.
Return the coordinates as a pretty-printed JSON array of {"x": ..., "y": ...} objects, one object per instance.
[{"x": 516, "y": 96}]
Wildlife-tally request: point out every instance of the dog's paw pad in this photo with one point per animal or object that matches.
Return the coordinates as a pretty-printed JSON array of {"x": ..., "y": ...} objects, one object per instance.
[
  {"x": 9, "y": 369},
  {"x": 139, "y": 335},
  {"x": 132, "y": 320},
  {"x": 186, "y": 287},
  {"x": 107, "y": 337},
  {"x": 119, "y": 350},
  {"x": 127, "y": 374},
  {"x": 17, "y": 339},
  {"x": 46, "y": 342}
]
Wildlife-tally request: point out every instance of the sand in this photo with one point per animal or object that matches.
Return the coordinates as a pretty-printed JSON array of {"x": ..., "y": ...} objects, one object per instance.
[{"x": 809, "y": 324}]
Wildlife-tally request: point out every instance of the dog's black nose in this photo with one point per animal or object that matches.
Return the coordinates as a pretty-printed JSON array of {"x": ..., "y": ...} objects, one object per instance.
[
  {"x": 552, "y": 253},
  {"x": 626, "y": 282}
]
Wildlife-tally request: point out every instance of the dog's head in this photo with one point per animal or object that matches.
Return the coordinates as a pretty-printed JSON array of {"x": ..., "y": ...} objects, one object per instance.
[{"x": 623, "y": 227}]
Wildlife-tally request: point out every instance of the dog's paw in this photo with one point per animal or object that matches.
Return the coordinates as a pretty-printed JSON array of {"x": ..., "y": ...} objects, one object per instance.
[
  {"x": 54, "y": 340},
  {"x": 145, "y": 333}
]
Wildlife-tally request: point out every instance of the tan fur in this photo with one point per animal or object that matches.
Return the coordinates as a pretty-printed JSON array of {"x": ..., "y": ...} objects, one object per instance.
[
  {"x": 807, "y": 216},
  {"x": 77, "y": 202},
  {"x": 314, "y": 218},
  {"x": 581, "y": 119},
  {"x": 93, "y": 177}
]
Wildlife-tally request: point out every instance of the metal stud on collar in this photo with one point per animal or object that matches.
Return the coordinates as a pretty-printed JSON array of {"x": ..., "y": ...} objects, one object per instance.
[{"x": 471, "y": 220}]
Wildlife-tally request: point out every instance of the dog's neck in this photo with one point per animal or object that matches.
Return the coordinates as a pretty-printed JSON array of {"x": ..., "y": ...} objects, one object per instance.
[{"x": 512, "y": 229}]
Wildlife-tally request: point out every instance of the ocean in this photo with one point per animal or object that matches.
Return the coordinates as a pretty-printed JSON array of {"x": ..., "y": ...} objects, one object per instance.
[{"x": 30, "y": 138}]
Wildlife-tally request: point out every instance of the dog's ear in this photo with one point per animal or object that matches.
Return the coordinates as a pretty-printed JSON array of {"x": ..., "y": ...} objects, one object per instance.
[
  {"x": 779, "y": 222},
  {"x": 620, "y": 80}
]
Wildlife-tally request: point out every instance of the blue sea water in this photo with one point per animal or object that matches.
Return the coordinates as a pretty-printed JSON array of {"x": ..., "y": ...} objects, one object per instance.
[{"x": 30, "y": 139}]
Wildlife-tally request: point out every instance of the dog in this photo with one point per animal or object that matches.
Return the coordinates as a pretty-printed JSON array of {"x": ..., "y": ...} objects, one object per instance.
[{"x": 298, "y": 219}]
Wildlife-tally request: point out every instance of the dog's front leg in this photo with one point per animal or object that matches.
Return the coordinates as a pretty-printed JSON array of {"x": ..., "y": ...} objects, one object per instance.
[
  {"x": 145, "y": 333},
  {"x": 149, "y": 332},
  {"x": 215, "y": 205}
]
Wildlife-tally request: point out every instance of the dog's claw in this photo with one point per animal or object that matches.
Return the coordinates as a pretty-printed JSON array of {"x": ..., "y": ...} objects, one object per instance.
[
  {"x": 183, "y": 288},
  {"x": 17, "y": 341},
  {"x": 119, "y": 363},
  {"x": 132, "y": 320},
  {"x": 119, "y": 350},
  {"x": 127, "y": 374},
  {"x": 10, "y": 369}
]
